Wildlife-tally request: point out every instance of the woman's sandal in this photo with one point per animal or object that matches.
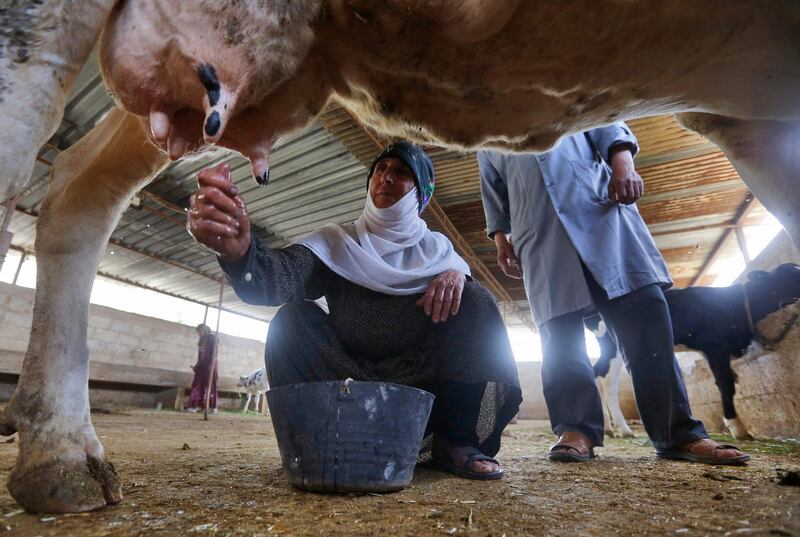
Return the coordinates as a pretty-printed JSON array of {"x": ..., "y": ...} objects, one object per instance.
[{"x": 470, "y": 455}]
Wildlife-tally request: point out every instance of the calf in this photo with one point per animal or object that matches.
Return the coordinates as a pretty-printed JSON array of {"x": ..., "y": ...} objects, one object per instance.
[
  {"x": 254, "y": 384},
  {"x": 721, "y": 323}
]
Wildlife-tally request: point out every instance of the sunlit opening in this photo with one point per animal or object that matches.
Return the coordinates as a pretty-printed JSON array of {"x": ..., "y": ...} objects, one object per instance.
[
  {"x": 757, "y": 237},
  {"x": 133, "y": 299},
  {"x": 527, "y": 346}
]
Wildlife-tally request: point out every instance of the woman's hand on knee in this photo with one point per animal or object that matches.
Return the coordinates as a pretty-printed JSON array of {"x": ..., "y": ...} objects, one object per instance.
[
  {"x": 217, "y": 215},
  {"x": 443, "y": 296}
]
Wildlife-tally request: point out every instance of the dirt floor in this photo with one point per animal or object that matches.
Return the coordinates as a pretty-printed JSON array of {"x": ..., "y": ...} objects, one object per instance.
[{"x": 223, "y": 477}]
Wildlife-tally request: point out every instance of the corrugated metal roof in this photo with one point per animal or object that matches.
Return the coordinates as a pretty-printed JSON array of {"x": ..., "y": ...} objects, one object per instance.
[
  {"x": 314, "y": 180},
  {"x": 318, "y": 176}
]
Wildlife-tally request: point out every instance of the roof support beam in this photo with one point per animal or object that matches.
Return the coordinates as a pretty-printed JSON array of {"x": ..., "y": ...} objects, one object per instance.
[
  {"x": 740, "y": 215},
  {"x": 742, "y": 242},
  {"x": 166, "y": 203},
  {"x": 5, "y": 235},
  {"x": 678, "y": 231},
  {"x": 19, "y": 267},
  {"x": 682, "y": 193},
  {"x": 672, "y": 156}
]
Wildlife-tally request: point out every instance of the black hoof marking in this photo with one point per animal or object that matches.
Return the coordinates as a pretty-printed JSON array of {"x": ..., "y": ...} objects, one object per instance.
[
  {"x": 208, "y": 77},
  {"x": 262, "y": 179},
  {"x": 212, "y": 124}
]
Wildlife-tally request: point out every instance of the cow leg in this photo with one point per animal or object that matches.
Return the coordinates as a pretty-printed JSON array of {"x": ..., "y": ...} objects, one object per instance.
[
  {"x": 725, "y": 378},
  {"x": 257, "y": 407},
  {"x": 247, "y": 403},
  {"x": 767, "y": 156},
  {"x": 612, "y": 393},
  {"x": 46, "y": 50},
  {"x": 608, "y": 427},
  {"x": 61, "y": 466}
]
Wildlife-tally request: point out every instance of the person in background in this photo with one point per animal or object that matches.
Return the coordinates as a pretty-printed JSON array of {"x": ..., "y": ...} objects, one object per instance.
[{"x": 203, "y": 374}]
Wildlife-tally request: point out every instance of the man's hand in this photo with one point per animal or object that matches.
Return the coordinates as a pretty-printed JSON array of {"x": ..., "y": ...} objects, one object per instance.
[
  {"x": 218, "y": 217},
  {"x": 626, "y": 185},
  {"x": 506, "y": 258},
  {"x": 443, "y": 296}
]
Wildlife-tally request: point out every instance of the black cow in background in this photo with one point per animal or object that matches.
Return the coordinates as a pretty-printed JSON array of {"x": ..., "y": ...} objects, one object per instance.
[{"x": 721, "y": 323}]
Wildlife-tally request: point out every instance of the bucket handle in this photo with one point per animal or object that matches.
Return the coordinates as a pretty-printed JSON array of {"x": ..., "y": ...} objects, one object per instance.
[{"x": 344, "y": 390}]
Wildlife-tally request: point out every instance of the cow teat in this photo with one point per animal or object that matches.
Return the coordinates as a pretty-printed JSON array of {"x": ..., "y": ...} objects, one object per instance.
[
  {"x": 262, "y": 179},
  {"x": 259, "y": 162},
  {"x": 218, "y": 103}
]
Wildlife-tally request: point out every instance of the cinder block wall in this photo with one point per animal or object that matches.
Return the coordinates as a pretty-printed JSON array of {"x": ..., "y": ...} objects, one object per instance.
[
  {"x": 120, "y": 337},
  {"x": 127, "y": 338}
]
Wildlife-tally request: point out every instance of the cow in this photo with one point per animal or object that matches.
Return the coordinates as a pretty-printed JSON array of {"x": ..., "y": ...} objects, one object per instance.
[
  {"x": 507, "y": 74},
  {"x": 721, "y": 323},
  {"x": 254, "y": 384}
]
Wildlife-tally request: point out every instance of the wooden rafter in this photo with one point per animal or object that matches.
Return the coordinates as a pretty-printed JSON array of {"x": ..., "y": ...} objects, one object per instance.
[{"x": 715, "y": 252}]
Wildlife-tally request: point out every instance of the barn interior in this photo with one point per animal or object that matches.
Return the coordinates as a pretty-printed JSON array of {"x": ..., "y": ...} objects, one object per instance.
[{"x": 223, "y": 476}]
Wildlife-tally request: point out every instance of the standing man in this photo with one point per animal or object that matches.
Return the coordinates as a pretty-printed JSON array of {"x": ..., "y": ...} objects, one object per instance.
[{"x": 579, "y": 241}]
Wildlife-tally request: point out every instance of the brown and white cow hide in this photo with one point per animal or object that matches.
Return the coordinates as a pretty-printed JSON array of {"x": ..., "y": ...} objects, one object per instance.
[{"x": 463, "y": 73}]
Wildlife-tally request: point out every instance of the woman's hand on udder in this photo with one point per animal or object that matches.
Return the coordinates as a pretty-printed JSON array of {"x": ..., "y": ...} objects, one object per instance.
[
  {"x": 443, "y": 296},
  {"x": 217, "y": 215}
]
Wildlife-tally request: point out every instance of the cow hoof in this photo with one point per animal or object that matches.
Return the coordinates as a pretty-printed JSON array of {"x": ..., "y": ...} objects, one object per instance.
[
  {"x": 610, "y": 434},
  {"x": 65, "y": 486},
  {"x": 737, "y": 429},
  {"x": 628, "y": 434}
]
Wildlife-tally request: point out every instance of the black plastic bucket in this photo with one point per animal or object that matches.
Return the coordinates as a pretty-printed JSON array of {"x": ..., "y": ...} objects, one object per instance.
[{"x": 348, "y": 436}]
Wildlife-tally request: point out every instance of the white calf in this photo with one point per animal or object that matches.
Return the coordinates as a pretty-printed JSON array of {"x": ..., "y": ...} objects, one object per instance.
[
  {"x": 255, "y": 384},
  {"x": 609, "y": 393},
  {"x": 607, "y": 372}
]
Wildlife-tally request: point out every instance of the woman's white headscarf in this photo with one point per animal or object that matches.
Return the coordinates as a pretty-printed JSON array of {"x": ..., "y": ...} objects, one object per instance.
[{"x": 389, "y": 250}]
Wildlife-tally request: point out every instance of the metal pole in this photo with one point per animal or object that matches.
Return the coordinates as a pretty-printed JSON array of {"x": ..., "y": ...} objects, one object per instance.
[
  {"x": 715, "y": 252},
  {"x": 743, "y": 245},
  {"x": 19, "y": 267},
  {"x": 11, "y": 206},
  {"x": 213, "y": 367},
  {"x": 205, "y": 315},
  {"x": 5, "y": 235}
]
